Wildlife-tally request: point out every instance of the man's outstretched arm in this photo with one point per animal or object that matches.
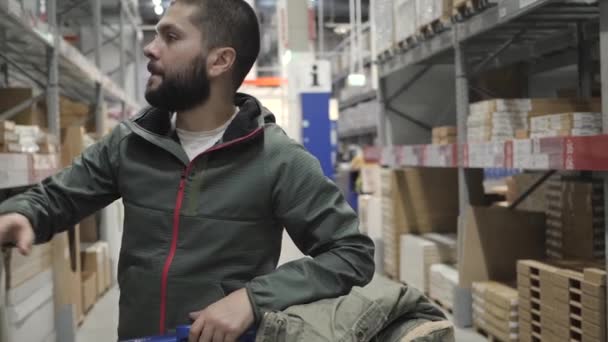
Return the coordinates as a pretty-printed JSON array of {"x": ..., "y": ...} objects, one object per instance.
[{"x": 64, "y": 199}]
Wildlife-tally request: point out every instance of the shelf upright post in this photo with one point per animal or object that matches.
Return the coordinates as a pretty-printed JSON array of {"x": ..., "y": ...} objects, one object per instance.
[
  {"x": 3, "y": 66},
  {"x": 383, "y": 122},
  {"x": 463, "y": 299},
  {"x": 585, "y": 72},
  {"x": 604, "y": 78},
  {"x": 52, "y": 53},
  {"x": 122, "y": 59},
  {"x": 97, "y": 38}
]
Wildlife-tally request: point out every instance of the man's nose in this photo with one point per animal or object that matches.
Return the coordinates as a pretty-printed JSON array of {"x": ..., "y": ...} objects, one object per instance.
[{"x": 151, "y": 50}]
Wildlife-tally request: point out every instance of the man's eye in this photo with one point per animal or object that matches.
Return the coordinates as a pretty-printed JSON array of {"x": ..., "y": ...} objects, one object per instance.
[{"x": 171, "y": 37}]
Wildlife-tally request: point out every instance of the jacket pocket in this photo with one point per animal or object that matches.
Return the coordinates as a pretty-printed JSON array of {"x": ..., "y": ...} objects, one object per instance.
[
  {"x": 139, "y": 303},
  {"x": 189, "y": 295}
]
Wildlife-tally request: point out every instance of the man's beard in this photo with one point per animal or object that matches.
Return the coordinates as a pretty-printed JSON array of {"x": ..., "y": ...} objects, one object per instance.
[{"x": 182, "y": 90}]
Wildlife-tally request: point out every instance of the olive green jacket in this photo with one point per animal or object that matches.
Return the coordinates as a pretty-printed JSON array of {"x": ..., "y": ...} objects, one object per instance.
[
  {"x": 382, "y": 311},
  {"x": 197, "y": 230}
]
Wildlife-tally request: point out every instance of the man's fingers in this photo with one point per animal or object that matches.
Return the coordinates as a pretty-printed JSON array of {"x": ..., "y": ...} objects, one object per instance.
[
  {"x": 195, "y": 330},
  {"x": 231, "y": 338},
  {"x": 194, "y": 315},
  {"x": 207, "y": 334},
  {"x": 25, "y": 240},
  {"x": 218, "y": 336}
]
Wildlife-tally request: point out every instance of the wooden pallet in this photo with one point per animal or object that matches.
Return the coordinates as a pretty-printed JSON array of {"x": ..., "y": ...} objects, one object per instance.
[
  {"x": 486, "y": 334},
  {"x": 559, "y": 286},
  {"x": 433, "y": 28}
]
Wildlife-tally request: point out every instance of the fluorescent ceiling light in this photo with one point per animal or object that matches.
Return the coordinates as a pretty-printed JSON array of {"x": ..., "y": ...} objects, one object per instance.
[
  {"x": 356, "y": 80},
  {"x": 158, "y": 9},
  {"x": 157, "y": 2}
]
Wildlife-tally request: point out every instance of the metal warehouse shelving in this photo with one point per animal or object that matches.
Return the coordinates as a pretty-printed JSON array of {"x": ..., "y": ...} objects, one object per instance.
[
  {"x": 547, "y": 34},
  {"x": 33, "y": 50}
]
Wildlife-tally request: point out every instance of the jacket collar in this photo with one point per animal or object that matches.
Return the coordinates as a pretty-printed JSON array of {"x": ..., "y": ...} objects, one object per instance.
[{"x": 154, "y": 125}]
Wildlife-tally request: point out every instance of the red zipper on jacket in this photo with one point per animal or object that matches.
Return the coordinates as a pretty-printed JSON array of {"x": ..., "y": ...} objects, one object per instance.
[{"x": 176, "y": 217}]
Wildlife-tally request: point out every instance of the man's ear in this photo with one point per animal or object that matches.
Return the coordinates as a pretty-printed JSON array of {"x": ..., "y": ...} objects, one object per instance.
[{"x": 220, "y": 61}]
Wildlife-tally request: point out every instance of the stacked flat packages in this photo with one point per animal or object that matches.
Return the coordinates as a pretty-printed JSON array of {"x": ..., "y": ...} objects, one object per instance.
[
  {"x": 575, "y": 219},
  {"x": 561, "y": 301},
  {"x": 500, "y": 119},
  {"x": 445, "y": 135},
  {"x": 419, "y": 254},
  {"x": 416, "y": 201},
  {"x": 495, "y": 310},
  {"x": 443, "y": 280},
  {"x": 25, "y": 139},
  {"x": 567, "y": 124},
  {"x": 30, "y": 305}
]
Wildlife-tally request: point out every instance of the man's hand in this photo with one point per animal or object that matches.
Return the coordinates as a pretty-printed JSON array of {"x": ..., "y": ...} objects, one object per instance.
[
  {"x": 16, "y": 228},
  {"x": 224, "y": 321}
]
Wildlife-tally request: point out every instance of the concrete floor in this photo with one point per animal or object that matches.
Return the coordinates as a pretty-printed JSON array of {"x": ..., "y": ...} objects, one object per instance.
[{"x": 101, "y": 322}]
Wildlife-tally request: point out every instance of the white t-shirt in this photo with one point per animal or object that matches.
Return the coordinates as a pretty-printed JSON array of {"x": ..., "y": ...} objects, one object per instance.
[{"x": 195, "y": 143}]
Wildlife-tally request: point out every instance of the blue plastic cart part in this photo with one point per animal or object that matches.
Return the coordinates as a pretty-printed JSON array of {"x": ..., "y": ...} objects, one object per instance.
[{"x": 181, "y": 335}]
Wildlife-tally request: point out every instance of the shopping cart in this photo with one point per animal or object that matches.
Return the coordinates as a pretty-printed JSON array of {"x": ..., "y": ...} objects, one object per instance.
[{"x": 181, "y": 335}]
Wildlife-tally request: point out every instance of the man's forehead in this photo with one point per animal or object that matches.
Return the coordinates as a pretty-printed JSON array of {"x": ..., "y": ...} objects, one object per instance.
[{"x": 178, "y": 16}]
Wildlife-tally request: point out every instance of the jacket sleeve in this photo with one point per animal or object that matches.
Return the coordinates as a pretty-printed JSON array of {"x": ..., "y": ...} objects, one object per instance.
[
  {"x": 323, "y": 226},
  {"x": 74, "y": 193}
]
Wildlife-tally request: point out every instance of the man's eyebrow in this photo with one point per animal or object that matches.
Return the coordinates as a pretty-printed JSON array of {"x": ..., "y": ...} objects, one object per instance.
[{"x": 163, "y": 27}]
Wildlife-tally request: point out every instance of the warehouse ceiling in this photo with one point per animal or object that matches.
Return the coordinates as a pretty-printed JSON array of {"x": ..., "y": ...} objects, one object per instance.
[{"x": 336, "y": 18}]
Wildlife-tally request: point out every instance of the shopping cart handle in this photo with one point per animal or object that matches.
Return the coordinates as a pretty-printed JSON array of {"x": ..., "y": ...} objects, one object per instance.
[{"x": 181, "y": 335}]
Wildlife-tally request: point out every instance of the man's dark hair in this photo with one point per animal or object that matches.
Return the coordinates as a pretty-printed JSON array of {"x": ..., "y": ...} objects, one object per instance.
[{"x": 230, "y": 23}]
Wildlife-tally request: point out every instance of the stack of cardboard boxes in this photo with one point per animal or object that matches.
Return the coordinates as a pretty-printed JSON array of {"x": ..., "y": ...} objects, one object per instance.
[
  {"x": 370, "y": 208},
  {"x": 534, "y": 202},
  {"x": 30, "y": 304},
  {"x": 417, "y": 256},
  {"x": 416, "y": 201},
  {"x": 567, "y": 124},
  {"x": 445, "y": 135},
  {"x": 25, "y": 139},
  {"x": 575, "y": 219},
  {"x": 96, "y": 274},
  {"x": 495, "y": 310},
  {"x": 562, "y": 301},
  {"x": 444, "y": 279},
  {"x": 501, "y": 119}
]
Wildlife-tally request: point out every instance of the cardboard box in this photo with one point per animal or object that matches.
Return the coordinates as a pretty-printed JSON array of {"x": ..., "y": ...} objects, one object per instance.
[
  {"x": 72, "y": 144},
  {"x": 21, "y": 269},
  {"x": 11, "y": 97},
  {"x": 7, "y": 126},
  {"x": 89, "y": 290},
  {"x": 416, "y": 201},
  {"x": 67, "y": 272},
  {"x": 417, "y": 257},
  {"x": 494, "y": 239},
  {"x": 93, "y": 261},
  {"x": 371, "y": 179},
  {"x": 522, "y": 134},
  {"x": 517, "y": 184},
  {"x": 445, "y": 131},
  {"x": 595, "y": 276},
  {"x": 88, "y": 230}
]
